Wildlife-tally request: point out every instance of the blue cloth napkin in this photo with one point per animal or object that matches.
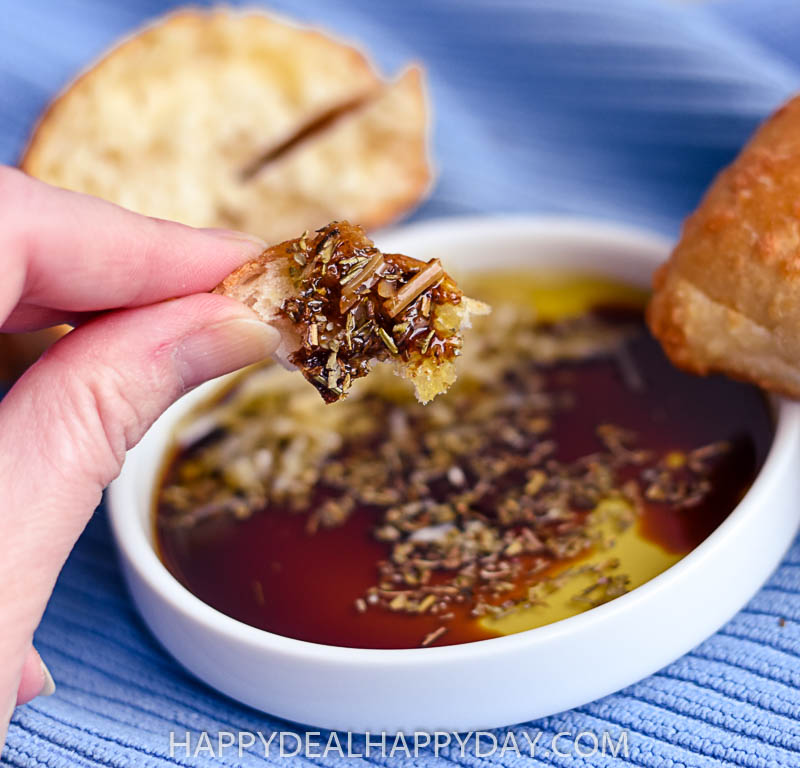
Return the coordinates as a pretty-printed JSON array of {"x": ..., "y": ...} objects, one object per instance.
[{"x": 621, "y": 109}]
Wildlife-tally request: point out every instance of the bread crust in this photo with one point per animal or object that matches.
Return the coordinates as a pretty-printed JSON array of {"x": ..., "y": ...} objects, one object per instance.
[
  {"x": 263, "y": 284},
  {"x": 728, "y": 299}
]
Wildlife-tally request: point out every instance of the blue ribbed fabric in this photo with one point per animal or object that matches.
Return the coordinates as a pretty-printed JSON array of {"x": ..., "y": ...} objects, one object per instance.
[{"x": 621, "y": 109}]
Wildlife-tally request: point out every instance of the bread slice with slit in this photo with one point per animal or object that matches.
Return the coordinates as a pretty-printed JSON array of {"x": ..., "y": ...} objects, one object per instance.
[
  {"x": 242, "y": 120},
  {"x": 368, "y": 166}
]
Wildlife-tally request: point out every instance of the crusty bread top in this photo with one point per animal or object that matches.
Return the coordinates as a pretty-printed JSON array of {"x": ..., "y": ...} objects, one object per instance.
[
  {"x": 728, "y": 299},
  {"x": 173, "y": 121}
]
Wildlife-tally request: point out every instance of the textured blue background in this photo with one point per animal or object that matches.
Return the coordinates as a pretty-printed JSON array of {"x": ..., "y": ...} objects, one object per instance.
[{"x": 621, "y": 109}]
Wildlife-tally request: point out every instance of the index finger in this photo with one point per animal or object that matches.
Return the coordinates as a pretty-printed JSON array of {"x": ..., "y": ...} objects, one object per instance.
[{"x": 66, "y": 254}]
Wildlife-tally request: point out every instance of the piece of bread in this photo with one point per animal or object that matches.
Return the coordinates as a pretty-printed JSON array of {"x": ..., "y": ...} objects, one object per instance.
[
  {"x": 240, "y": 120},
  {"x": 728, "y": 299},
  {"x": 340, "y": 304}
]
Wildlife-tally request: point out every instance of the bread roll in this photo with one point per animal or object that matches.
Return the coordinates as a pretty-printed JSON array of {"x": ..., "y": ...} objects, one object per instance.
[{"x": 728, "y": 299}]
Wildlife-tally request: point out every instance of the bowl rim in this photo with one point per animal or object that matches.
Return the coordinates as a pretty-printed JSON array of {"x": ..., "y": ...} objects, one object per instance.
[{"x": 141, "y": 555}]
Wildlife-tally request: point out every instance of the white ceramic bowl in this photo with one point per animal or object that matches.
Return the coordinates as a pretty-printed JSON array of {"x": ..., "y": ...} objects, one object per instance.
[{"x": 493, "y": 682}]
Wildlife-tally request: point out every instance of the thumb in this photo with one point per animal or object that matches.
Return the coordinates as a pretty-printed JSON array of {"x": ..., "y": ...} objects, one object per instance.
[
  {"x": 35, "y": 678},
  {"x": 66, "y": 424}
]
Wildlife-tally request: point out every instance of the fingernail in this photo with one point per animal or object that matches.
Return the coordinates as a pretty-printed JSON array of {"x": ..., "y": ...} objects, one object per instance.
[
  {"x": 35, "y": 679},
  {"x": 258, "y": 244},
  {"x": 49, "y": 685},
  {"x": 222, "y": 348}
]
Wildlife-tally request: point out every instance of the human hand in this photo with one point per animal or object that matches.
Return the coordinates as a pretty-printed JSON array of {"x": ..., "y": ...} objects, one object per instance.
[{"x": 66, "y": 424}]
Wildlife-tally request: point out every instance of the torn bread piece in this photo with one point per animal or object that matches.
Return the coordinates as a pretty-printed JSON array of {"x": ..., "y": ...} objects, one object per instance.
[
  {"x": 237, "y": 119},
  {"x": 340, "y": 305},
  {"x": 727, "y": 299}
]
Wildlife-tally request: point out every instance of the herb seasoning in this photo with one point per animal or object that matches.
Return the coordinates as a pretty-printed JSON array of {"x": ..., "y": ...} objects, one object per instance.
[{"x": 355, "y": 305}]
